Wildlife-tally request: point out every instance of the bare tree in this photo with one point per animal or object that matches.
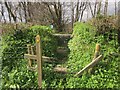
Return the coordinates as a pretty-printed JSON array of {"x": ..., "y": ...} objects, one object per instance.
[
  {"x": 11, "y": 12},
  {"x": 72, "y": 15},
  {"x": 2, "y": 13},
  {"x": 83, "y": 9},
  {"x": 95, "y": 7},
  {"x": 105, "y": 7},
  {"x": 99, "y": 7},
  {"x": 55, "y": 9},
  {"x": 115, "y": 8},
  {"x": 91, "y": 9},
  {"x": 77, "y": 11}
]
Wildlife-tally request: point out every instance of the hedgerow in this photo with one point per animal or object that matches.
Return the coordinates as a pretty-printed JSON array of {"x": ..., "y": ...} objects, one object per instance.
[
  {"x": 14, "y": 66},
  {"x": 82, "y": 48}
]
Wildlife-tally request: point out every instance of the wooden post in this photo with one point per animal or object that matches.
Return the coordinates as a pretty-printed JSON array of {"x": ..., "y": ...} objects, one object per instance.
[
  {"x": 97, "y": 52},
  {"x": 39, "y": 60},
  {"x": 29, "y": 60}
]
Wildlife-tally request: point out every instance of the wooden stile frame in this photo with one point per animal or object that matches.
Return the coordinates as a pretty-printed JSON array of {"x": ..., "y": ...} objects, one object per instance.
[{"x": 37, "y": 57}]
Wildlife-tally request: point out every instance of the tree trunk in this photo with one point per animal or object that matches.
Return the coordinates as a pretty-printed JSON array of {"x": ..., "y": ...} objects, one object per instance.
[
  {"x": 95, "y": 8},
  {"x": 83, "y": 9},
  {"x": 77, "y": 12},
  {"x": 2, "y": 12},
  {"x": 115, "y": 8},
  {"x": 25, "y": 11},
  {"x": 20, "y": 12},
  {"x": 91, "y": 9},
  {"x": 99, "y": 7},
  {"x": 106, "y": 7},
  {"x": 29, "y": 13},
  {"x": 72, "y": 16},
  {"x": 10, "y": 11}
]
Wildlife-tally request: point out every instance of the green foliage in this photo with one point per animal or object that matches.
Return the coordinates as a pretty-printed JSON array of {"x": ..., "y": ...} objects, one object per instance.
[
  {"x": 15, "y": 73},
  {"x": 82, "y": 47},
  {"x": 106, "y": 26},
  {"x": 105, "y": 74}
]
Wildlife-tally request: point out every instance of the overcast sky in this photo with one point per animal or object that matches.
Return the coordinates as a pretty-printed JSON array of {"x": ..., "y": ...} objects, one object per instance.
[{"x": 111, "y": 6}]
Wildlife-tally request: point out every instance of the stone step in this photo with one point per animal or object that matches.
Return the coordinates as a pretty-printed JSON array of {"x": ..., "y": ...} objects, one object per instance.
[
  {"x": 62, "y": 53},
  {"x": 63, "y": 39},
  {"x": 60, "y": 69},
  {"x": 62, "y": 50}
]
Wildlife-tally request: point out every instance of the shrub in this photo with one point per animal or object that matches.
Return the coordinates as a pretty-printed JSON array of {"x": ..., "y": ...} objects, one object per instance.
[
  {"x": 82, "y": 47},
  {"x": 15, "y": 73}
]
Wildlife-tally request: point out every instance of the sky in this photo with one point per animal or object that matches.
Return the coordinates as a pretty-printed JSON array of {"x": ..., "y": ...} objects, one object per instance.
[
  {"x": 111, "y": 9},
  {"x": 111, "y": 6},
  {"x": 57, "y": 0}
]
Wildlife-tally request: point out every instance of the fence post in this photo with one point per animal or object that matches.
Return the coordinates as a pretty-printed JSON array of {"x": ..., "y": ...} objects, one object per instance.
[
  {"x": 97, "y": 52},
  {"x": 39, "y": 60}
]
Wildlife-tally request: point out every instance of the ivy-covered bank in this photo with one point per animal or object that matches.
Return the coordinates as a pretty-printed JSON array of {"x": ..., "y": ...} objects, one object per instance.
[{"x": 82, "y": 47}]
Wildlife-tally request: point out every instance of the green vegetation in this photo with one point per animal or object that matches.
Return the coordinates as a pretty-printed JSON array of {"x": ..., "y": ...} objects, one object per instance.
[
  {"x": 82, "y": 46},
  {"x": 15, "y": 73}
]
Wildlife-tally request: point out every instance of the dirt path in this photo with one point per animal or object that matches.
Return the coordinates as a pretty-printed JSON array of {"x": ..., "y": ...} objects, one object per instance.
[{"x": 62, "y": 51}]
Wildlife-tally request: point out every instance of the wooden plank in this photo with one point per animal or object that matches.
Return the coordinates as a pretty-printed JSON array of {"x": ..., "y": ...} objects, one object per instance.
[
  {"x": 33, "y": 68},
  {"x": 39, "y": 60},
  {"x": 97, "y": 52},
  {"x": 44, "y": 58},
  {"x": 29, "y": 56},
  {"x": 32, "y": 51},
  {"x": 48, "y": 59},
  {"x": 63, "y": 35},
  {"x": 90, "y": 65},
  {"x": 60, "y": 69},
  {"x": 29, "y": 61}
]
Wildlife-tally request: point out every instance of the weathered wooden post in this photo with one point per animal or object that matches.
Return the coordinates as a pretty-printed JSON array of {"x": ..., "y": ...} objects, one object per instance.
[
  {"x": 39, "y": 60},
  {"x": 97, "y": 52},
  {"x": 37, "y": 57}
]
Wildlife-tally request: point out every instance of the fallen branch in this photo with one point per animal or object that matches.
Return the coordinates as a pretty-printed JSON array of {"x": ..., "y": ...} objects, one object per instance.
[{"x": 90, "y": 65}]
